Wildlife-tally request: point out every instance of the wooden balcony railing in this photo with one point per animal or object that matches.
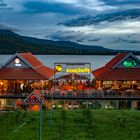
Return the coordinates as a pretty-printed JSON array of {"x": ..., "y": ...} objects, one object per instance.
[{"x": 85, "y": 95}]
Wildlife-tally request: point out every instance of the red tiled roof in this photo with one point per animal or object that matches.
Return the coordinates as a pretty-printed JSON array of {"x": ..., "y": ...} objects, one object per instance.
[
  {"x": 37, "y": 97},
  {"x": 109, "y": 73},
  {"x": 45, "y": 71},
  {"x": 37, "y": 71},
  {"x": 21, "y": 74},
  {"x": 37, "y": 65},
  {"x": 100, "y": 71},
  {"x": 116, "y": 59},
  {"x": 118, "y": 74},
  {"x": 31, "y": 59}
]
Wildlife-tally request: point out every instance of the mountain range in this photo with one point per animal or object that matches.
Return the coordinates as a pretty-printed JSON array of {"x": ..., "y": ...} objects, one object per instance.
[{"x": 11, "y": 43}]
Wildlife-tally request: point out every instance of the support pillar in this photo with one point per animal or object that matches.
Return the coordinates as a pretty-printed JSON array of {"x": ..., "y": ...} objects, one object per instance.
[
  {"x": 133, "y": 105},
  {"x": 64, "y": 104},
  {"x": 102, "y": 104},
  {"x": 117, "y": 104}
]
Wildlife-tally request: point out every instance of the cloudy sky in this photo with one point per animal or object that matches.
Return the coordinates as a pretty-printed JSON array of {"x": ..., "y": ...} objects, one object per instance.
[{"x": 109, "y": 23}]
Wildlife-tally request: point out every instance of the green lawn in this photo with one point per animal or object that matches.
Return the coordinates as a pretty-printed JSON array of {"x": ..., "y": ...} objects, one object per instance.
[{"x": 72, "y": 125}]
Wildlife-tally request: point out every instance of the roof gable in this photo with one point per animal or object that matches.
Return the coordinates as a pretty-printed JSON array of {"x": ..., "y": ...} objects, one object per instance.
[
  {"x": 122, "y": 67},
  {"x": 32, "y": 99},
  {"x": 129, "y": 61},
  {"x": 35, "y": 98},
  {"x": 21, "y": 61},
  {"x": 16, "y": 61}
]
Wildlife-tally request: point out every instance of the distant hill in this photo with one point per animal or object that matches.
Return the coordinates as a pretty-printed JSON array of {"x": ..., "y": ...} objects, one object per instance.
[{"x": 11, "y": 43}]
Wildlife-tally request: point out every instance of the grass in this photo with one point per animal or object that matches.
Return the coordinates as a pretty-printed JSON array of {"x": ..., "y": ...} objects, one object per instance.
[{"x": 72, "y": 125}]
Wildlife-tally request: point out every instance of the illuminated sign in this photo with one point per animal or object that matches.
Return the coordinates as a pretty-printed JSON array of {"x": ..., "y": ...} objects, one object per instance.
[
  {"x": 129, "y": 63},
  {"x": 73, "y": 68},
  {"x": 17, "y": 62},
  {"x": 78, "y": 70},
  {"x": 67, "y": 73},
  {"x": 58, "y": 68}
]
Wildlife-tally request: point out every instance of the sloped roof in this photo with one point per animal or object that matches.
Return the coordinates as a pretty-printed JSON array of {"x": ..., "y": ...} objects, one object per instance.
[
  {"x": 30, "y": 58},
  {"x": 20, "y": 74},
  {"x": 109, "y": 72},
  {"x": 116, "y": 59},
  {"x": 34, "y": 98},
  {"x": 36, "y": 69}
]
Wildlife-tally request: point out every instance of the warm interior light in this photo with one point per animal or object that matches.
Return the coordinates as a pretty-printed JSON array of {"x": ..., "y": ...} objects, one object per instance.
[{"x": 1, "y": 83}]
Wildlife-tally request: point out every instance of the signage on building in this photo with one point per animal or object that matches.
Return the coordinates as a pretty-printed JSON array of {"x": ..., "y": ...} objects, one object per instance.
[
  {"x": 76, "y": 70},
  {"x": 73, "y": 67},
  {"x": 129, "y": 63},
  {"x": 17, "y": 62}
]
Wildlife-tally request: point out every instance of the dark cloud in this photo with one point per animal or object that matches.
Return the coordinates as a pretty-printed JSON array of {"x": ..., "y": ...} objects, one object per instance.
[
  {"x": 132, "y": 41},
  {"x": 130, "y": 14},
  {"x": 72, "y": 36},
  {"x": 121, "y": 2},
  {"x": 44, "y": 7},
  {"x": 4, "y": 5}
]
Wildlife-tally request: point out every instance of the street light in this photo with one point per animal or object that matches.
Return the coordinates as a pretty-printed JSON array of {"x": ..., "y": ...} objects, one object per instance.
[{"x": 40, "y": 122}]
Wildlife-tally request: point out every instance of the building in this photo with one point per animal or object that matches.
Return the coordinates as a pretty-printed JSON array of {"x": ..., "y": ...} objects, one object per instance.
[
  {"x": 122, "y": 72},
  {"x": 21, "y": 74},
  {"x": 120, "y": 78}
]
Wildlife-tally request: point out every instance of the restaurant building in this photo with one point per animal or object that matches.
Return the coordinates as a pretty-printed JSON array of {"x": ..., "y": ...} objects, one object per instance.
[
  {"x": 21, "y": 74},
  {"x": 122, "y": 72},
  {"x": 120, "y": 77}
]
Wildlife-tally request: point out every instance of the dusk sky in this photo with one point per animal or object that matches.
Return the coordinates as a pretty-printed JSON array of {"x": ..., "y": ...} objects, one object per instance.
[{"x": 109, "y": 23}]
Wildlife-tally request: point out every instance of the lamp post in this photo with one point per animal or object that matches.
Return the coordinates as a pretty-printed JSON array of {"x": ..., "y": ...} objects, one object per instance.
[
  {"x": 51, "y": 111},
  {"x": 40, "y": 122}
]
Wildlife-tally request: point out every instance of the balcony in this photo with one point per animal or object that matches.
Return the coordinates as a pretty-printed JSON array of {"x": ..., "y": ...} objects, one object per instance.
[{"x": 79, "y": 95}]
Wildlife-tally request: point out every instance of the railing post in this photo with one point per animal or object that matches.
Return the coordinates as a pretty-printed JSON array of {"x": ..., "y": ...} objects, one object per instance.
[{"x": 117, "y": 104}]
